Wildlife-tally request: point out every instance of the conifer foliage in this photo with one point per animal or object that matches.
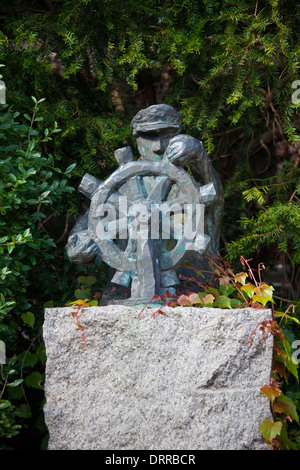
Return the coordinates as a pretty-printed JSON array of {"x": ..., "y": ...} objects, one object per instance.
[{"x": 230, "y": 67}]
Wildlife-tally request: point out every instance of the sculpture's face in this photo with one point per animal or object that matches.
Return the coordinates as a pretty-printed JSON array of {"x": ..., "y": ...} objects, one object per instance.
[{"x": 152, "y": 145}]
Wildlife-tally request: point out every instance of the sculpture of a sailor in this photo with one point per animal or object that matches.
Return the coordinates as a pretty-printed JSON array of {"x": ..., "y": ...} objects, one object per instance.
[{"x": 154, "y": 213}]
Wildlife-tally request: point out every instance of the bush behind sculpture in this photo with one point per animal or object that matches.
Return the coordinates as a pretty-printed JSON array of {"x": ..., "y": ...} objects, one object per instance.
[{"x": 230, "y": 68}]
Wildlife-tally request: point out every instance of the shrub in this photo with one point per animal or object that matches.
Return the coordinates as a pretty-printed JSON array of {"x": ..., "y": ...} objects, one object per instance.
[{"x": 30, "y": 183}]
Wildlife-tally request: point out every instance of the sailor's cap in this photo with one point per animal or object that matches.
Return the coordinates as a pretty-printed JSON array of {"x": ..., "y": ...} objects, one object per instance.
[{"x": 156, "y": 117}]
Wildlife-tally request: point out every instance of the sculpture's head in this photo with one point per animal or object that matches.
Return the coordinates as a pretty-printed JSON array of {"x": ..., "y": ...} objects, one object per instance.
[{"x": 154, "y": 127}]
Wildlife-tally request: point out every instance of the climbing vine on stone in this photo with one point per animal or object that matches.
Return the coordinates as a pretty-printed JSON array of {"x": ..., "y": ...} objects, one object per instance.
[{"x": 233, "y": 291}]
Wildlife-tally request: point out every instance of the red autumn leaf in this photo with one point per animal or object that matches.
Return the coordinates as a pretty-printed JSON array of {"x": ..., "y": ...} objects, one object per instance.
[
  {"x": 194, "y": 298},
  {"x": 97, "y": 295},
  {"x": 279, "y": 367},
  {"x": 224, "y": 280},
  {"x": 183, "y": 300}
]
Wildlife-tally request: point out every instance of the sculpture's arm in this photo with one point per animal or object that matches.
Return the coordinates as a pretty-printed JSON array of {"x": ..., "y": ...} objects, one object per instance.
[
  {"x": 203, "y": 171},
  {"x": 184, "y": 149}
]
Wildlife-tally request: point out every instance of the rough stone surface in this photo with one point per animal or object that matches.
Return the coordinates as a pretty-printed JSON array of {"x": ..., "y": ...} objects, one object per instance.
[{"x": 186, "y": 380}]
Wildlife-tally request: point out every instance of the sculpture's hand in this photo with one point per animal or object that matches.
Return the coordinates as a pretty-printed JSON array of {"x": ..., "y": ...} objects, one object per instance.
[
  {"x": 183, "y": 148},
  {"x": 81, "y": 248}
]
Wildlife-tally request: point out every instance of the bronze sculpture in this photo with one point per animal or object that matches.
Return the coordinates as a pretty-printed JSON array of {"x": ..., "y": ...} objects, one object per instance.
[{"x": 151, "y": 214}]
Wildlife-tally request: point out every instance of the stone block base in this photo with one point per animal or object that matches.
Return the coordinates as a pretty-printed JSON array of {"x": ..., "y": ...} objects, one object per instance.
[{"x": 186, "y": 380}]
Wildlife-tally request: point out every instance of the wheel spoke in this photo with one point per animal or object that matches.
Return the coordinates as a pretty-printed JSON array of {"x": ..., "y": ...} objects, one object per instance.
[
  {"x": 172, "y": 230},
  {"x": 178, "y": 201},
  {"x": 116, "y": 229},
  {"x": 137, "y": 188},
  {"x": 160, "y": 190},
  {"x": 115, "y": 199}
]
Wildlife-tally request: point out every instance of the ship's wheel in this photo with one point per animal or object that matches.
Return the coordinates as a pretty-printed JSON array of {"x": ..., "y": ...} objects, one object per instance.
[{"x": 138, "y": 219}]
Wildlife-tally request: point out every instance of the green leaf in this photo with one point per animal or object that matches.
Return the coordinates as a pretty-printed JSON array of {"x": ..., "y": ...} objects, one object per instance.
[
  {"x": 82, "y": 294},
  {"x": 15, "y": 393},
  {"x": 292, "y": 366},
  {"x": 33, "y": 132},
  {"x": 87, "y": 281},
  {"x": 262, "y": 299},
  {"x": 284, "y": 439},
  {"x": 28, "y": 358},
  {"x": 23, "y": 411},
  {"x": 249, "y": 289},
  {"x": 228, "y": 289},
  {"x": 15, "y": 383},
  {"x": 28, "y": 318},
  {"x": 4, "y": 404},
  {"x": 223, "y": 302},
  {"x": 34, "y": 380},
  {"x": 235, "y": 303},
  {"x": 70, "y": 168},
  {"x": 270, "y": 429},
  {"x": 284, "y": 404},
  {"x": 10, "y": 247}
]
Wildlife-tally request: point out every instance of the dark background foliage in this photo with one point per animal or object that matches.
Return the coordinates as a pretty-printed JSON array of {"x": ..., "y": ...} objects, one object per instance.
[{"x": 228, "y": 66}]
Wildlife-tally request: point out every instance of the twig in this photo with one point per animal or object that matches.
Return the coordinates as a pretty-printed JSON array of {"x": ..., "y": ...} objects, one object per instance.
[
  {"x": 283, "y": 300},
  {"x": 65, "y": 229}
]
